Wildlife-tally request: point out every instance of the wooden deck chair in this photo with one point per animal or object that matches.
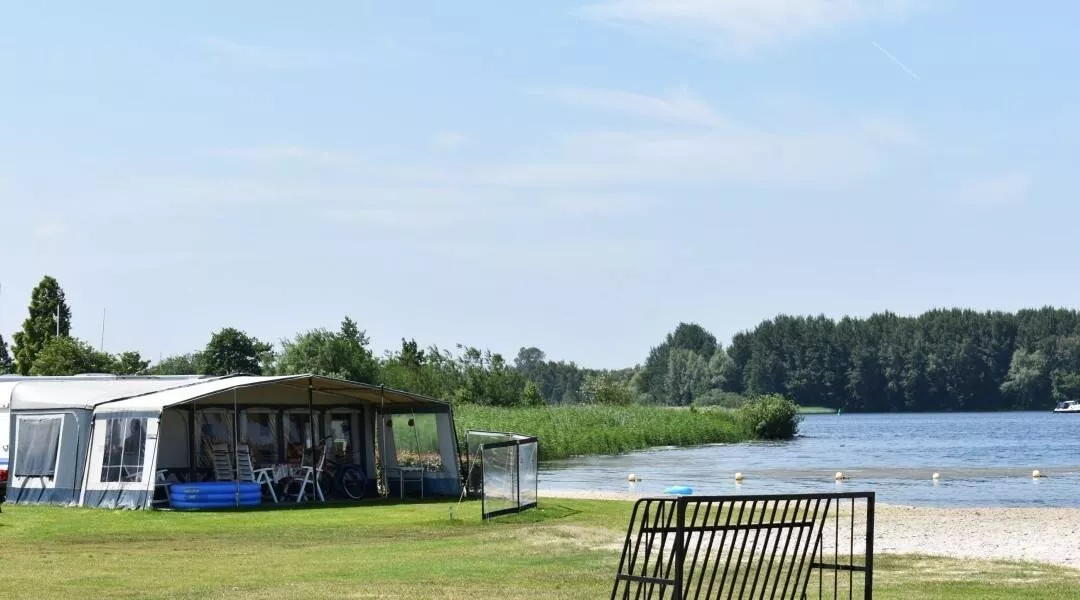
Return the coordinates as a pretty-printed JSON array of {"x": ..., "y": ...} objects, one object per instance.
[
  {"x": 221, "y": 459},
  {"x": 246, "y": 471},
  {"x": 309, "y": 475}
]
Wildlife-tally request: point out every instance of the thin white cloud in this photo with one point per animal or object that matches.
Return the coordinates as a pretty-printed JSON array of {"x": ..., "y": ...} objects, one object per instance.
[
  {"x": 679, "y": 105},
  {"x": 586, "y": 172},
  {"x": 896, "y": 61},
  {"x": 46, "y": 231},
  {"x": 448, "y": 140},
  {"x": 281, "y": 152},
  {"x": 257, "y": 57},
  {"x": 994, "y": 191},
  {"x": 816, "y": 150},
  {"x": 746, "y": 25}
]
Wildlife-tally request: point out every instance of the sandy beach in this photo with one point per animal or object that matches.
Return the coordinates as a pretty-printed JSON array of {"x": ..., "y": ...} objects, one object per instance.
[{"x": 1047, "y": 535}]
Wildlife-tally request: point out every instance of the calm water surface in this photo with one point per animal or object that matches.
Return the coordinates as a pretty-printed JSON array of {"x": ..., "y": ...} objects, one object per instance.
[{"x": 985, "y": 459}]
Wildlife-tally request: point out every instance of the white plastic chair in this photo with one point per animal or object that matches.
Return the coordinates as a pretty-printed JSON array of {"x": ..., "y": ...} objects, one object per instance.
[
  {"x": 309, "y": 475},
  {"x": 161, "y": 481},
  {"x": 246, "y": 471}
]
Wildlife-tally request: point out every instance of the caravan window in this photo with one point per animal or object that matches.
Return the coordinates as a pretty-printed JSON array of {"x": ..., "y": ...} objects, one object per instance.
[
  {"x": 125, "y": 449},
  {"x": 36, "y": 446}
]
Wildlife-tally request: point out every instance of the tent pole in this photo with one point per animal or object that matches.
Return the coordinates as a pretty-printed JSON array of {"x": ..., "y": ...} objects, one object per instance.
[
  {"x": 380, "y": 434},
  {"x": 311, "y": 413},
  {"x": 192, "y": 451},
  {"x": 236, "y": 443}
]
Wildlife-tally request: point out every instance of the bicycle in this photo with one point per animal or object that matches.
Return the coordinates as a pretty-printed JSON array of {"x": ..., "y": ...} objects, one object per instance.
[{"x": 341, "y": 478}]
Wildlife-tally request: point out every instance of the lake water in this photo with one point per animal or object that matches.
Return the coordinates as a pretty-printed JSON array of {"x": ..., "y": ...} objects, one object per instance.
[{"x": 984, "y": 459}]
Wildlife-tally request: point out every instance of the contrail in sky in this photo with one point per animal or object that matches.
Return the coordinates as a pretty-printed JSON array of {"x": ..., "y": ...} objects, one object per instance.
[{"x": 896, "y": 60}]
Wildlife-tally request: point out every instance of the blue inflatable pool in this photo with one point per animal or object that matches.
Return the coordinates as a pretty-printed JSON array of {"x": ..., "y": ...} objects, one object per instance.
[{"x": 215, "y": 494}]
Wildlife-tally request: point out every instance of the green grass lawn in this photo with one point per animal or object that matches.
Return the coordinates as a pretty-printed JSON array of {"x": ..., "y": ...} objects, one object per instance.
[
  {"x": 816, "y": 410},
  {"x": 565, "y": 549}
]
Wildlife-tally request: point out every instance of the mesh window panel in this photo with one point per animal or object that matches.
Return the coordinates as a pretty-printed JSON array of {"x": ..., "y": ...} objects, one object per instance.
[
  {"x": 35, "y": 450},
  {"x": 417, "y": 445},
  {"x": 500, "y": 479},
  {"x": 528, "y": 472},
  {"x": 215, "y": 427},
  {"x": 125, "y": 450},
  {"x": 261, "y": 433}
]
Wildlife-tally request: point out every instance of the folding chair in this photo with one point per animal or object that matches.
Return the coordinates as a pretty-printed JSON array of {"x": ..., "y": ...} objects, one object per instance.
[
  {"x": 221, "y": 459},
  {"x": 161, "y": 482}
]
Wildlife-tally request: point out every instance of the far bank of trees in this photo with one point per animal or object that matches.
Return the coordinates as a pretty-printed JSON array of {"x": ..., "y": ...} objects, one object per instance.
[{"x": 941, "y": 360}]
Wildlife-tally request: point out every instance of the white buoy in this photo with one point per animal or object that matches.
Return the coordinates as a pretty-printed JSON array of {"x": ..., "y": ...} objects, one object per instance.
[
  {"x": 738, "y": 477},
  {"x": 840, "y": 476},
  {"x": 937, "y": 476},
  {"x": 633, "y": 478},
  {"x": 1036, "y": 474}
]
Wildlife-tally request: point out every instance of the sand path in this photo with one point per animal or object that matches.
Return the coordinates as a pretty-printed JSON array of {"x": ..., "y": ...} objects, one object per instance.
[{"x": 1047, "y": 535}]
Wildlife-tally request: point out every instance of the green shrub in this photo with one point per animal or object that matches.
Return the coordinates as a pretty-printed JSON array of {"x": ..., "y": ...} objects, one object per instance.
[
  {"x": 770, "y": 417},
  {"x": 721, "y": 399}
]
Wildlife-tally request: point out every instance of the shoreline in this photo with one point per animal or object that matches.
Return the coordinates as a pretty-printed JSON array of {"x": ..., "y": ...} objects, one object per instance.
[{"x": 1044, "y": 535}]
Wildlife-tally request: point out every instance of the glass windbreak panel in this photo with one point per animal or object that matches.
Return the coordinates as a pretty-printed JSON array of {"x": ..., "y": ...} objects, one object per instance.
[
  {"x": 528, "y": 471},
  {"x": 215, "y": 427},
  {"x": 500, "y": 479},
  {"x": 37, "y": 446},
  {"x": 298, "y": 434},
  {"x": 342, "y": 446},
  {"x": 416, "y": 440},
  {"x": 259, "y": 430},
  {"x": 125, "y": 450}
]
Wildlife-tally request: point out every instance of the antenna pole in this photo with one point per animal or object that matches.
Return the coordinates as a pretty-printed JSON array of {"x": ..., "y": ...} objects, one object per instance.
[{"x": 101, "y": 346}]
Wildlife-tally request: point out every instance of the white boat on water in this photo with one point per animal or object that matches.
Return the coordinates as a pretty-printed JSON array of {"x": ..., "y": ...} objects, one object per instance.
[{"x": 1068, "y": 406}]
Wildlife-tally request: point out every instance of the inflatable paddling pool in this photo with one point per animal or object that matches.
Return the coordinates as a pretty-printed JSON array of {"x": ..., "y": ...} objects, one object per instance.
[{"x": 215, "y": 494}]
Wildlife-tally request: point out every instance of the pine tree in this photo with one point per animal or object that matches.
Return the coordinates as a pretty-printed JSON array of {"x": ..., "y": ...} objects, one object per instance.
[{"x": 49, "y": 317}]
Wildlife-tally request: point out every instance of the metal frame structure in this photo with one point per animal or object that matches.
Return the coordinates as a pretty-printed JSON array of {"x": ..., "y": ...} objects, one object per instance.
[
  {"x": 516, "y": 441},
  {"x": 769, "y": 546}
]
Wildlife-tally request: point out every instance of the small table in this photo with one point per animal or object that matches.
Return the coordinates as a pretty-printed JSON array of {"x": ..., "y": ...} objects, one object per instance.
[{"x": 412, "y": 473}]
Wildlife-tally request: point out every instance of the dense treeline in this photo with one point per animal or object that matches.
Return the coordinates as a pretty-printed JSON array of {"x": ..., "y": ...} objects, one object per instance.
[{"x": 941, "y": 360}]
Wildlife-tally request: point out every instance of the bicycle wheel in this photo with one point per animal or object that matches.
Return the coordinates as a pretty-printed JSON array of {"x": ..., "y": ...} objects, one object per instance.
[{"x": 353, "y": 480}]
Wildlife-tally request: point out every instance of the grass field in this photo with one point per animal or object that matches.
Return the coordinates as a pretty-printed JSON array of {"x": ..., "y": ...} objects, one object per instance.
[
  {"x": 567, "y": 431},
  {"x": 565, "y": 549},
  {"x": 816, "y": 410}
]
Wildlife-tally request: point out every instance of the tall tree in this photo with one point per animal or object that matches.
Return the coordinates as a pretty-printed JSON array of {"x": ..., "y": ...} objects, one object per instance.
[
  {"x": 687, "y": 377},
  {"x": 69, "y": 356},
  {"x": 181, "y": 364},
  {"x": 6, "y": 364},
  {"x": 605, "y": 387},
  {"x": 49, "y": 317},
  {"x": 655, "y": 376},
  {"x": 232, "y": 351},
  {"x": 130, "y": 363},
  {"x": 343, "y": 353}
]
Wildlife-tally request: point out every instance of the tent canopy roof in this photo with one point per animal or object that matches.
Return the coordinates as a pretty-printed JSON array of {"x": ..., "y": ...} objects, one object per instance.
[
  {"x": 84, "y": 393},
  {"x": 155, "y": 394}
]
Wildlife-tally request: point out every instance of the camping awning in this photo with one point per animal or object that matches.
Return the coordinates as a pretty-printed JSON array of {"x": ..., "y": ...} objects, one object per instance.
[
  {"x": 281, "y": 391},
  {"x": 85, "y": 393}
]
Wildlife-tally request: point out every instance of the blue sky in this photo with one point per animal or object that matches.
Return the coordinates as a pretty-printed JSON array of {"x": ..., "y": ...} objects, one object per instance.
[{"x": 575, "y": 175}]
